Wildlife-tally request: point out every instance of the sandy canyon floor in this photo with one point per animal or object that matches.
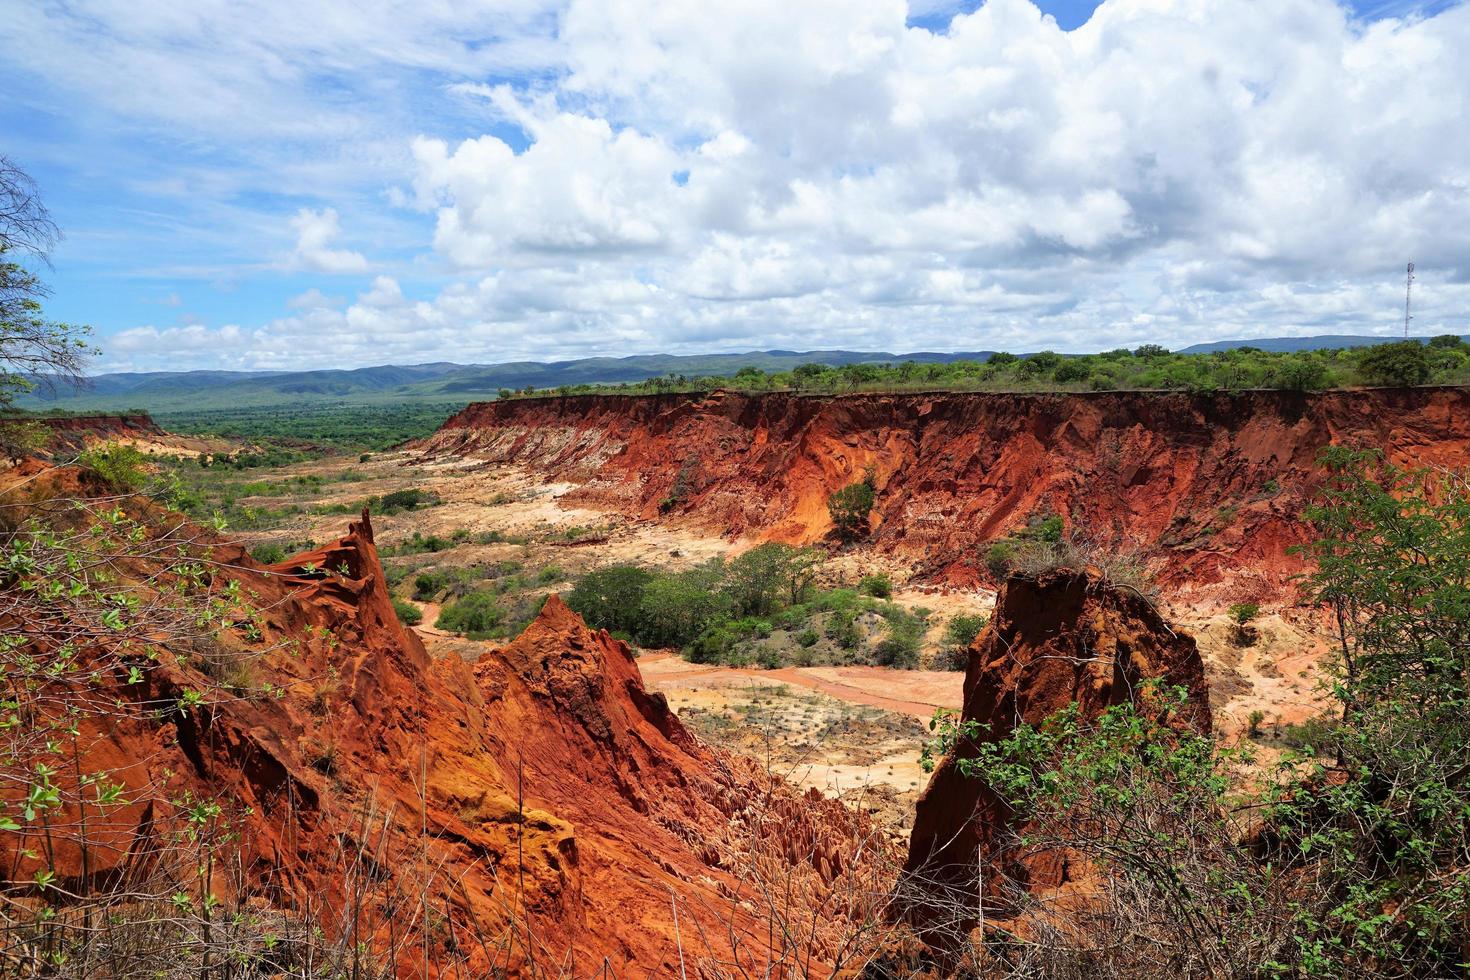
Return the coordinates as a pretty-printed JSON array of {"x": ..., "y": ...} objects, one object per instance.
[{"x": 853, "y": 731}]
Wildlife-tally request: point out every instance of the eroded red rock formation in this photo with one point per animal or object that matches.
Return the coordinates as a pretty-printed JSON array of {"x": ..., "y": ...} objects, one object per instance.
[
  {"x": 74, "y": 432},
  {"x": 1212, "y": 485},
  {"x": 1062, "y": 638},
  {"x": 539, "y": 804}
]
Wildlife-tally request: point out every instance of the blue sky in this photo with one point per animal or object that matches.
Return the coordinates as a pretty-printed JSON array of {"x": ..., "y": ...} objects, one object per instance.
[{"x": 273, "y": 184}]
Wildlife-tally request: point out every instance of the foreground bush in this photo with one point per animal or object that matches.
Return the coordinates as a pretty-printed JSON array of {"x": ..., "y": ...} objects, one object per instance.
[{"x": 1352, "y": 858}]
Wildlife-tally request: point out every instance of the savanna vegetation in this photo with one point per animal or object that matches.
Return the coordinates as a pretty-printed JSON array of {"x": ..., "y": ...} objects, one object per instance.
[
  {"x": 1351, "y": 857},
  {"x": 314, "y": 427},
  {"x": 1443, "y": 360},
  {"x": 760, "y": 608}
]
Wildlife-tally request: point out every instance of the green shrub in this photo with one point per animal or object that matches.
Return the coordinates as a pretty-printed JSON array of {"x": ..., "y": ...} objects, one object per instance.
[
  {"x": 850, "y": 508},
  {"x": 1302, "y": 374},
  {"x": 611, "y": 598},
  {"x": 123, "y": 467},
  {"x": 900, "y": 645},
  {"x": 961, "y": 630},
  {"x": 1072, "y": 370},
  {"x": 1244, "y": 612},
  {"x": 427, "y": 585},
  {"x": 549, "y": 574},
  {"x": 408, "y": 613},
  {"x": 474, "y": 614},
  {"x": 1399, "y": 365},
  {"x": 1000, "y": 557},
  {"x": 879, "y": 586},
  {"x": 1047, "y": 529},
  {"x": 402, "y": 500},
  {"x": 807, "y": 637}
]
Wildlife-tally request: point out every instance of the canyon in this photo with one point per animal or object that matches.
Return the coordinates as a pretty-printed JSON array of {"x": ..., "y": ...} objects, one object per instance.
[
  {"x": 1210, "y": 488},
  {"x": 469, "y": 806}
]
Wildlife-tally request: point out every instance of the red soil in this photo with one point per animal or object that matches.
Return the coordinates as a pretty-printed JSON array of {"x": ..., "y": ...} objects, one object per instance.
[
  {"x": 541, "y": 802},
  {"x": 1211, "y": 486},
  {"x": 79, "y": 431}
]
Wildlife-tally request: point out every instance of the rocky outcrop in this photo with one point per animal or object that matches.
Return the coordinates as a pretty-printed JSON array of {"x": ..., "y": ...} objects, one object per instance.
[
  {"x": 70, "y": 433},
  {"x": 1064, "y": 637},
  {"x": 1212, "y": 486},
  {"x": 536, "y": 806}
]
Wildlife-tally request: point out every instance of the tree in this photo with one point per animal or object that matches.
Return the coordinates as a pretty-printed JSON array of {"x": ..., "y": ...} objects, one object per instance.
[
  {"x": 31, "y": 347},
  {"x": 850, "y": 508},
  {"x": 1448, "y": 341},
  {"x": 1400, "y": 365},
  {"x": 25, "y": 223},
  {"x": 610, "y": 598},
  {"x": 758, "y": 580},
  {"x": 1302, "y": 372}
]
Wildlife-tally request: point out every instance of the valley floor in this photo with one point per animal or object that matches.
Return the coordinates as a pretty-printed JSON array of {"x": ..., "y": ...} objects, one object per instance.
[{"x": 852, "y": 731}]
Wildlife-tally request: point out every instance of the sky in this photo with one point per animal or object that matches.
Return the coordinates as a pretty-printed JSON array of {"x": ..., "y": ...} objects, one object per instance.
[{"x": 261, "y": 184}]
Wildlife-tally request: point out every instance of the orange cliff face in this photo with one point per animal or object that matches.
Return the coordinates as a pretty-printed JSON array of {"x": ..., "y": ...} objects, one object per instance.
[
  {"x": 538, "y": 805},
  {"x": 1210, "y": 486}
]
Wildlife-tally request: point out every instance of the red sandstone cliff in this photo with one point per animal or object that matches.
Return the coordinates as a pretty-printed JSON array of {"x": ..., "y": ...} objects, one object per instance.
[
  {"x": 1061, "y": 638},
  {"x": 538, "y": 806},
  {"x": 1212, "y": 486}
]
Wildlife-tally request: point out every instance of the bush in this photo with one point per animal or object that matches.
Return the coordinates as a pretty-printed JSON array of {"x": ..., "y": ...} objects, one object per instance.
[
  {"x": 474, "y": 614},
  {"x": 427, "y": 585},
  {"x": 1000, "y": 557},
  {"x": 611, "y": 598},
  {"x": 1399, "y": 365},
  {"x": 1244, "y": 612},
  {"x": 807, "y": 638},
  {"x": 1303, "y": 373},
  {"x": 952, "y": 659},
  {"x": 123, "y": 467},
  {"x": 900, "y": 647},
  {"x": 961, "y": 630},
  {"x": 1447, "y": 341},
  {"x": 401, "y": 500},
  {"x": 879, "y": 586},
  {"x": 850, "y": 508},
  {"x": 1047, "y": 529},
  {"x": 1072, "y": 370},
  {"x": 273, "y": 552},
  {"x": 408, "y": 613}
]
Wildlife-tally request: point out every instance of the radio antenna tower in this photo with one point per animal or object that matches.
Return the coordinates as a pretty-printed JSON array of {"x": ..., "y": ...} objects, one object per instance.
[{"x": 1408, "y": 294}]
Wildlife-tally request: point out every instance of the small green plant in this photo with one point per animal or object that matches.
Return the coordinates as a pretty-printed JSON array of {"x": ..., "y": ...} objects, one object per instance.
[
  {"x": 879, "y": 586},
  {"x": 1254, "y": 721},
  {"x": 1244, "y": 612},
  {"x": 408, "y": 613}
]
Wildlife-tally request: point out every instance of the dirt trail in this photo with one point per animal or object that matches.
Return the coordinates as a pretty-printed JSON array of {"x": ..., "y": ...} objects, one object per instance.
[
  {"x": 431, "y": 612},
  {"x": 912, "y": 692}
]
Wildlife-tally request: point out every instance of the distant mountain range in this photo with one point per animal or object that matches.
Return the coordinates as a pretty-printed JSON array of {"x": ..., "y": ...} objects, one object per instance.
[
  {"x": 165, "y": 391},
  {"x": 1296, "y": 343}
]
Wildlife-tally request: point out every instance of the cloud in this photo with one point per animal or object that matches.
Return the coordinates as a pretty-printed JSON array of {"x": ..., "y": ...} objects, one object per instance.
[
  {"x": 607, "y": 176},
  {"x": 315, "y": 231},
  {"x": 314, "y": 299}
]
